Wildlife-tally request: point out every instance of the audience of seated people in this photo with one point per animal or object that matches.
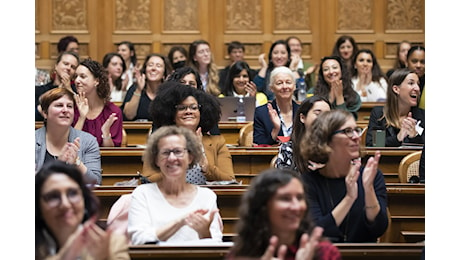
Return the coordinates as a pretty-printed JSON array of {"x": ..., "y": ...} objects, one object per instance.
[{"x": 176, "y": 163}]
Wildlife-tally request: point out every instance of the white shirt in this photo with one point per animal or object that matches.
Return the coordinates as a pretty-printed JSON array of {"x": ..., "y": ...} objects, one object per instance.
[
  {"x": 150, "y": 210},
  {"x": 375, "y": 92}
]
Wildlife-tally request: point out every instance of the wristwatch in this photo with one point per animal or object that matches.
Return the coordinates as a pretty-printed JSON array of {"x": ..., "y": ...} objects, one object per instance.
[{"x": 77, "y": 161}]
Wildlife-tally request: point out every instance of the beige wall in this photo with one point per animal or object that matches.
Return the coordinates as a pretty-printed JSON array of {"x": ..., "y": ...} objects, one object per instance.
[{"x": 156, "y": 25}]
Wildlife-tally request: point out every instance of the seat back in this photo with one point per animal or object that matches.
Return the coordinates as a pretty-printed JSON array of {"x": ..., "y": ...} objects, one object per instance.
[
  {"x": 363, "y": 137},
  {"x": 273, "y": 161},
  {"x": 409, "y": 166},
  {"x": 245, "y": 137},
  {"x": 124, "y": 138}
]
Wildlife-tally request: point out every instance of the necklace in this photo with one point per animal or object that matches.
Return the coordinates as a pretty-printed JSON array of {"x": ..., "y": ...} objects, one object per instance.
[{"x": 347, "y": 218}]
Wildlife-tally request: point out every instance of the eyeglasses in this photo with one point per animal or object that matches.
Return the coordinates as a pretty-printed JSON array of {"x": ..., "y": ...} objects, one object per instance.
[
  {"x": 350, "y": 131},
  {"x": 192, "y": 107},
  {"x": 54, "y": 198},
  {"x": 178, "y": 152}
]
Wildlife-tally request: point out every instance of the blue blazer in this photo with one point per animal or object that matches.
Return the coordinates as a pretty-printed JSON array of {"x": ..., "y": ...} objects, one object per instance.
[
  {"x": 89, "y": 152},
  {"x": 263, "y": 125}
]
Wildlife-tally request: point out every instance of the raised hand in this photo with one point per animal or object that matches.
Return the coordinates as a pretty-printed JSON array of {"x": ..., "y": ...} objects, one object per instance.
[
  {"x": 108, "y": 123},
  {"x": 407, "y": 127},
  {"x": 262, "y": 62},
  {"x": 82, "y": 104},
  {"x": 308, "y": 244},
  {"x": 251, "y": 88},
  {"x": 370, "y": 171},
  {"x": 351, "y": 180},
  {"x": 274, "y": 116}
]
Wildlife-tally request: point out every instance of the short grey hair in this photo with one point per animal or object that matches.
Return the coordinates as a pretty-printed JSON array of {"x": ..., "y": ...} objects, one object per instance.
[{"x": 192, "y": 144}]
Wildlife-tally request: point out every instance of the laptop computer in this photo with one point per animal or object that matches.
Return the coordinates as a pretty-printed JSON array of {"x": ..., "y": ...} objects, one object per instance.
[{"x": 229, "y": 108}]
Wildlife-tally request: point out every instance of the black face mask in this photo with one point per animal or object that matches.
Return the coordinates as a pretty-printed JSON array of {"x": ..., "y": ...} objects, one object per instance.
[{"x": 178, "y": 64}]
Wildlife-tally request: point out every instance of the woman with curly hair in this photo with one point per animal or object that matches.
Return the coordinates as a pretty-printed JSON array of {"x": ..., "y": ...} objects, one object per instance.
[
  {"x": 96, "y": 114},
  {"x": 274, "y": 220},
  {"x": 334, "y": 84},
  {"x": 188, "y": 107}
]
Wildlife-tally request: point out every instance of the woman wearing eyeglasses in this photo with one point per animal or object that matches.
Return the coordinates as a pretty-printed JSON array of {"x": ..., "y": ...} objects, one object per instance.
[
  {"x": 400, "y": 117},
  {"x": 188, "y": 107},
  {"x": 347, "y": 199},
  {"x": 66, "y": 212},
  {"x": 171, "y": 209}
]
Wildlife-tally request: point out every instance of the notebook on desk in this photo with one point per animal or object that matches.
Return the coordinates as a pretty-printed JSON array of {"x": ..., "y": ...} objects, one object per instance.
[{"x": 229, "y": 106}]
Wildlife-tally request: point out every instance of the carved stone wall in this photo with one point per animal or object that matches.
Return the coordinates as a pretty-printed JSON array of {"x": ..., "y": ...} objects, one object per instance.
[
  {"x": 69, "y": 15},
  {"x": 132, "y": 15},
  {"x": 157, "y": 25}
]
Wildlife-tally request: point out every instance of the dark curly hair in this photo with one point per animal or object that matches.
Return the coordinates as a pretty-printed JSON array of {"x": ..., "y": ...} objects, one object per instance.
[
  {"x": 322, "y": 88},
  {"x": 171, "y": 93},
  {"x": 90, "y": 200},
  {"x": 253, "y": 226},
  {"x": 99, "y": 73}
]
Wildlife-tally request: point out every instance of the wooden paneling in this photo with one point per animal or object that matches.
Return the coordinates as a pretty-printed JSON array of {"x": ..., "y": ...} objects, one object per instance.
[{"x": 156, "y": 25}]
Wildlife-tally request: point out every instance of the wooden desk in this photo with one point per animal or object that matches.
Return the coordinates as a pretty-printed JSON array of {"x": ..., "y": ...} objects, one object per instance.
[
  {"x": 137, "y": 132},
  {"x": 119, "y": 161},
  {"x": 406, "y": 203},
  {"x": 365, "y": 110},
  {"x": 247, "y": 161},
  {"x": 230, "y": 131},
  {"x": 389, "y": 160},
  {"x": 349, "y": 251}
]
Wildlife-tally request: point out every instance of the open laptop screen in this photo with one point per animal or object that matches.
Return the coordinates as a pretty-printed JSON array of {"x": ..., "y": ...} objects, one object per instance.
[{"x": 229, "y": 108}]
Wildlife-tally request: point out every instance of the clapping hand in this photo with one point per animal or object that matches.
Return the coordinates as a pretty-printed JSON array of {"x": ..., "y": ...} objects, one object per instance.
[
  {"x": 198, "y": 221},
  {"x": 407, "y": 128},
  {"x": 306, "y": 249}
]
